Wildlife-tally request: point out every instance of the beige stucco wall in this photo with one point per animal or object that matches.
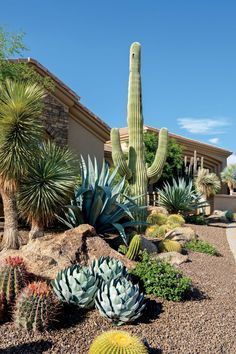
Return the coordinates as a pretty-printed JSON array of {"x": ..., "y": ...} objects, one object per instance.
[
  {"x": 83, "y": 142},
  {"x": 224, "y": 202}
]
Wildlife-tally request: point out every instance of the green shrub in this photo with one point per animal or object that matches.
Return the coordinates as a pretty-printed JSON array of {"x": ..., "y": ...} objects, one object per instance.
[
  {"x": 202, "y": 247},
  {"x": 176, "y": 219},
  {"x": 229, "y": 215},
  {"x": 196, "y": 219},
  {"x": 157, "y": 219},
  {"x": 161, "y": 279}
]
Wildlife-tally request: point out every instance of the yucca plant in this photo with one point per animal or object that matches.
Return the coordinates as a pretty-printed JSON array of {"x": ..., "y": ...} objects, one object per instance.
[
  {"x": 207, "y": 183},
  {"x": 20, "y": 134},
  {"x": 100, "y": 202},
  {"x": 180, "y": 197},
  {"x": 47, "y": 186},
  {"x": 228, "y": 175}
]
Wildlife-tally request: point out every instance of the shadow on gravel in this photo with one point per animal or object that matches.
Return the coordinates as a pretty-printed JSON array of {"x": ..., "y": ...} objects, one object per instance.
[
  {"x": 37, "y": 347},
  {"x": 70, "y": 317},
  {"x": 155, "y": 351},
  {"x": 152, "y": 311},
  {"x": 196, "y": 295}
]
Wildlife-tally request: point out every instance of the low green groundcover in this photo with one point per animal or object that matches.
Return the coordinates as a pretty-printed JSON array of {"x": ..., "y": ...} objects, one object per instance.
[
  {"x": 202, "y": 247},
  {"x": 161, "y": 279}
]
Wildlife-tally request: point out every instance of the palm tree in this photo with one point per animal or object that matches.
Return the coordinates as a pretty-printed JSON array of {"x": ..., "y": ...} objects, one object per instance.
[
  {"x": 207, "y": 183},
  {"x": 47, "y": 186},
  {"x": 20, "y": 133},
  {"x": 228, "y": 175}
]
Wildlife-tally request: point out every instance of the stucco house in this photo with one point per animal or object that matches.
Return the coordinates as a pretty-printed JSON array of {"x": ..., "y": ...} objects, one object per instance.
[{"x": 67, "y": 121}]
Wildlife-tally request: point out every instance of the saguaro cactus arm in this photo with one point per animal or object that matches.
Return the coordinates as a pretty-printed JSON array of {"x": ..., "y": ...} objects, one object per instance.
[
  {"x": 155, "y": 170},
  {"x": 118, "y": 156}
]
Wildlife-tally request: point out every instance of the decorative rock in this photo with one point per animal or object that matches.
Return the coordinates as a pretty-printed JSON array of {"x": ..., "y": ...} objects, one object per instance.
[
  {"x": 174, "y": 258},
  {"x": 181, "y": 234},
  {"x": 156, "y": 209},
  {"x": 218, "y": 216},
  {"x": 47, "y": 255},
  {"x": 148, "y": 245}
]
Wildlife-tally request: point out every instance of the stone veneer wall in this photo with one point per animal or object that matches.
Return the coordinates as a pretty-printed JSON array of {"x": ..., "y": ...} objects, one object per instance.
[{"x": 55, "y": 118}]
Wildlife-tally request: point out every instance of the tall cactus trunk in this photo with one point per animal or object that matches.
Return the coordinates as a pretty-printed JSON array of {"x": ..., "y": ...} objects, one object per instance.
[
  {"x": 138, "y": 181},
  {"x": 136, "y": 171}
]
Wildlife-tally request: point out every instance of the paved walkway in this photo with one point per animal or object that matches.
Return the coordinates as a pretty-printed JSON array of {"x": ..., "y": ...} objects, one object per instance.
[{"x": 231, "y": 237}]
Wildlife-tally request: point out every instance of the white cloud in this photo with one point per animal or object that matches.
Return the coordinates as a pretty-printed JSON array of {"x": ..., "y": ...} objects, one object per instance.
[
  {"x": 231, "y": 159},
  {"x": 203, "y": 125},
  {"x": 214, "y": 140}
]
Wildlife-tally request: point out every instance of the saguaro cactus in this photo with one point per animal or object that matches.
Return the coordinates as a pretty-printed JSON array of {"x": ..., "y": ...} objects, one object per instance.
[{"x": 136, "y": 171}]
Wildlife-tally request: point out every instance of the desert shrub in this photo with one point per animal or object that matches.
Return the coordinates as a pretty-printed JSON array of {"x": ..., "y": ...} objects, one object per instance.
[
  {"x": 229, "y": 215},
  {"x": 176, "y": 219},
  {"x": 161, "y": 279},
  {"x": 180, "y": 197},
  {"x": 195, "y": 219},
  {"x": 202, "y": 247},
  {"x": 157, "y": 219}
]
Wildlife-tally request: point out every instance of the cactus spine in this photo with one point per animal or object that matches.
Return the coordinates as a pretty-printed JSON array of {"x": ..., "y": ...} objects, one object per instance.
[
  {"x": 134, "y": 247},
  {"x": 117, "y": 342},
  {"x": 13, "y": 277},
  {"x": 136, "y": 171},
  {"x": 2, "y": 306},
  {"x": 36, "y": 307}
]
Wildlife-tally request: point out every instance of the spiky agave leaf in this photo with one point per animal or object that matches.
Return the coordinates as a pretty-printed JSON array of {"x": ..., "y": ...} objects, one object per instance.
[
  {"x": 48, "y": 184},
  {"x": 21, "y": 130},
  {"x": 207, "y": 183},
  {"x": 120, "y": 301},
  {"x": 76, "y": 285}
]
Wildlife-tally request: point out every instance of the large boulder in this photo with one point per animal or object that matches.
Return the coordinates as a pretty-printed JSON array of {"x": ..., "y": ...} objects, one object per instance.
[
  {"x": 223, "y": 216},
  {"x": 148, "y": 245},
  {"x": 174, "y": 258},
  {"x": 47, "y": 255},
  {"x": 181, "y": 234}
]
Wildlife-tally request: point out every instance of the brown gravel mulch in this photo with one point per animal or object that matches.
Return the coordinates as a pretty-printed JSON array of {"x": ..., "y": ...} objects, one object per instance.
[{"x": 206, "y": 324}]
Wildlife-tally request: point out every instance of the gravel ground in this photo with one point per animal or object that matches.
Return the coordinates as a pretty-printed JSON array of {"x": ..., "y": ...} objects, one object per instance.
[{"x": 205, "y": 324}]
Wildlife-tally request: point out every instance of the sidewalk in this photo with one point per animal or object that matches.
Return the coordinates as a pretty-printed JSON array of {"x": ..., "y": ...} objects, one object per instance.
[{"x": 231, "y": 237}]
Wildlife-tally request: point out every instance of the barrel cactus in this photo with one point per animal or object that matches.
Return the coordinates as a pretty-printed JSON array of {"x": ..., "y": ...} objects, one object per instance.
[
  {"x": 76, "y": 285},
  {"x": 13, "y": 277},
  {"x": 120, "y": 301},
  {"x": 169, "y": 246},
  {"x": 108, "y": 268},
  {"x": 36, "y": 307},
  {"x": 152, "y": 231},
  {"x": 157, "y": 219},
  {"x": 2, "y": 306},
  {"x": 136, "y": 171},
  {"x": 134, "y": 247},
  {"x": 117, "y": 342},
  {"x": 176, "y": 219}
]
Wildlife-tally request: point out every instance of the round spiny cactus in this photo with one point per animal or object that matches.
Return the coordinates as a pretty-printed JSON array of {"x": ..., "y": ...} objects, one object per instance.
[
  {"x": 13, "y": 277},
  {"x": 36, "y": 307},
  {"x": 169, "y": 246},
  {"x": 152, "y": 231},
  {"x": 157, "y": 219},
  {"x": 2, "y": 306},
  {"x": 77, "y": 285},
  {"x": 108, "y": 268},
  {"x": 117, "y": 342},
  {"x": 120, "y": 301},
  {"x": 134, "y": 247},
  {"x": 176, "y": 219}
]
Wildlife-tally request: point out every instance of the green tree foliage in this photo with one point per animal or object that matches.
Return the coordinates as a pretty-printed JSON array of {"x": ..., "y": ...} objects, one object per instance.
[
  {"x": 12, "y": 46},
  {"x": 174, "y": 159}
]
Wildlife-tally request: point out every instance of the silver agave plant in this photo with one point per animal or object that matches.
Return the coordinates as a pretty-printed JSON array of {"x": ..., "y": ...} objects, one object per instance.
[
  {"x": 120, "y": 301},
  {"x": 76, "y": 285},
  {"x": 108, "y": 268}
]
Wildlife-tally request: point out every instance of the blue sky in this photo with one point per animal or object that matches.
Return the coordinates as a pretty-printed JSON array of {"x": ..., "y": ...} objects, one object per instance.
[{"x": 188, "y": 58}]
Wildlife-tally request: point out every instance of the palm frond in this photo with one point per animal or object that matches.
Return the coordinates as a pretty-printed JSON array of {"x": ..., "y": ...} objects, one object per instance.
[{"x": 207, "y": 183}]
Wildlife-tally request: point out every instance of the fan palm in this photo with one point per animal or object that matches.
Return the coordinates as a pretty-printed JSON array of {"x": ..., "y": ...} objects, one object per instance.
[
  {"x": 21, "y": 131},
  {"x": 48, "y": 185},
  {"x": 228, "y": 175},
  {"x": 207, "y": 183}
]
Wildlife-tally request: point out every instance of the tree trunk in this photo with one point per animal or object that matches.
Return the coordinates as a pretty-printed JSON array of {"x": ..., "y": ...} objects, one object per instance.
[
  {"x": 36, "y": 231},
  {"x": 10, "y": 238}
]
